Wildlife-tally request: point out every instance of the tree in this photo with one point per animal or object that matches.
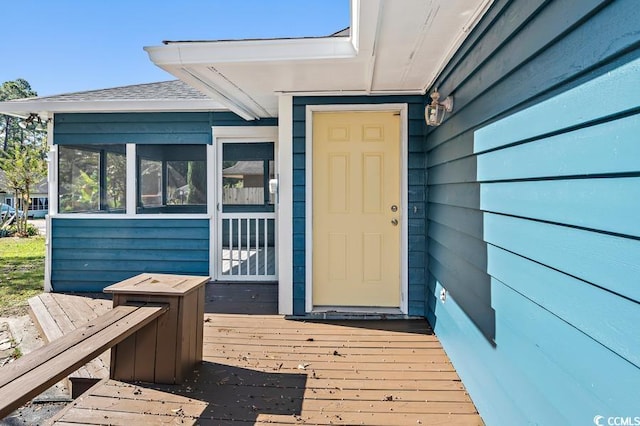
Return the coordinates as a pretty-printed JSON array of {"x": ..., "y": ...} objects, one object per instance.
[
  {"x": 24, "y": 166},
  {"x": 196, "y": 177},
  {"x": 10, "y": 132},
  {"x": 23, "y": 150}
]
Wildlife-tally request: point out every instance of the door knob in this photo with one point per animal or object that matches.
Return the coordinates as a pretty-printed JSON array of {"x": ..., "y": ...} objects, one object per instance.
[{"x": 394, "y": 222}]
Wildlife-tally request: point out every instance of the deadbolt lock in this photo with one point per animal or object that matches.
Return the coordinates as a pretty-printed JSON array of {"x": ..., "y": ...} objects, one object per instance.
[{"x": 394, "y": 208}]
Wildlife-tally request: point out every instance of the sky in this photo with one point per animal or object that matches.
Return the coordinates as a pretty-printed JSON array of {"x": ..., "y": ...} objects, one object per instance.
[{"x": 63, "y": 46}]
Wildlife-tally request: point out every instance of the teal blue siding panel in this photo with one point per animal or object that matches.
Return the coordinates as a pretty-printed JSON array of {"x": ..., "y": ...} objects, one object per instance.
[
  {"x": 155, "y": 128},
  {"x": 465, "y": 194},
  {"x": 137, "y": 117},
  {"x": 570, "y": 382},
  {"x": 477, "y": 362},
  {"x": 611, "y": 262},
  {"x": 128, "y": 254},
  {"x": 469, "y": 248},
  {"x": 456, "y": 171},
  {"x": 145, "y": 138},
  {"x": 467, "y": 221},
  {"x": 569, "y": 58},
  {"x": 416, "y": 193},
  {"x": 608, "y": 148},
  {"x": 466, "y": 282},
  {"x": 89, "y": 254},
  {"x": 576, "y": 302},
  {"x": 128, "y": 232},
  {"x": 126, "y": 244},
  {"x": 544, "y": 388},
  {"x": 532, "y": 212},
  {"x": 124, "y": 128},
  {"x": 145, "y": 127},
  {"x": 92, "y": 286},
  {"x": 609, "y": 204},
  {"x": 458, "y": 147},
  {"x": 115, "y": 264},
  {"x": 619, "y": 87},
  {"x": 490, "y": 34}
]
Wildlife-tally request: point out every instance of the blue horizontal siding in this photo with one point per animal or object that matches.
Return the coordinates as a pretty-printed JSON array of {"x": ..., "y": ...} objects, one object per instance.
[
  {"x": 569, "y": 109},
  {"x": 145, "y": 127},
  {"x": 611, "y": 262},
  {"x": 532, "y": 207},
  {"x": 601, "y": 204},
  {"x": 571, "y": 300},
  {"x": 607, "y": 148},
  {"x": 90, "y": 254}
]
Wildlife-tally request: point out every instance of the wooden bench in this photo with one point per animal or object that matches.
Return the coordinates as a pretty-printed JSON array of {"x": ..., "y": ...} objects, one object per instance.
[
  {"x": 57, "y": 314},
  {"x": 30, "y": 375}
]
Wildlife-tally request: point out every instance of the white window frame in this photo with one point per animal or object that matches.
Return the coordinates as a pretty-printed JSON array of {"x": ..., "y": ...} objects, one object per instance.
[{"x": 234, "y": 134}]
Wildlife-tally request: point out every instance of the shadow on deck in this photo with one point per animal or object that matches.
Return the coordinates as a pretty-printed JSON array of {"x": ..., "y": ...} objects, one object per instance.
[{"x": 263, "y": 369}]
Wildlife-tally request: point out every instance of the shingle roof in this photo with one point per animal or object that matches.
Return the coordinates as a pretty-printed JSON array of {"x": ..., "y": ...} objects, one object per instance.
[
  {"x": 249, "y": 168},
  {"x": 164, "y": 90}
]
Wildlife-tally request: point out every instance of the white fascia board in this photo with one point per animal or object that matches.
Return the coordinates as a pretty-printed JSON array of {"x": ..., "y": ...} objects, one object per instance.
[
  {"x": 43, "y": 108},
  {"x": 221, "y": 90},
  {"x": 204, "y": 53},
  {"x": 461, "y": 36}
]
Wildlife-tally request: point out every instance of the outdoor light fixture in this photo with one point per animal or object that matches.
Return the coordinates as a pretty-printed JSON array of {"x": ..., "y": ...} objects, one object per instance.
[
  {"x": 34, "y": 118},
  {"x": 434, "y": 112}
]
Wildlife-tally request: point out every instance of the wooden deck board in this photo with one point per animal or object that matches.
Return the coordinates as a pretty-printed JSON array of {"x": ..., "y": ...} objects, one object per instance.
[
  {"x": 263, "y": 369},
  {"x": 58, "y": 314}
]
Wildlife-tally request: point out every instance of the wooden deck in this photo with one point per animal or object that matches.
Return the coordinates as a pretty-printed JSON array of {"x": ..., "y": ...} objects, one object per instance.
[
  {"x": 263, "y": 369},
  {"x": 58, "y": 314}
]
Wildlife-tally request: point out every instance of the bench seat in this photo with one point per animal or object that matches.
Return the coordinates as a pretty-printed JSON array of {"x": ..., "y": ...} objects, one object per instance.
[{"x": 29, "y": 376}]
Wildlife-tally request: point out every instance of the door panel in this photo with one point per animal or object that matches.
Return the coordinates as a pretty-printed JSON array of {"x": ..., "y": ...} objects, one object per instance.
[
  {"x": 247, "y": 221},
  {"x": 356, "y": 228}
]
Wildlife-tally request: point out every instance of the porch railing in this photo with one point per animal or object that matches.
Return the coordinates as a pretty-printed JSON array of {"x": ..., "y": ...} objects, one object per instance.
[{"x": 248, "y": 247}]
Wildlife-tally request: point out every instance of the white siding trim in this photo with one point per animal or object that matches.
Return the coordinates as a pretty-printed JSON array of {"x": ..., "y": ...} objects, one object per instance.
[
  {"x": 404, "y": 140},
  {"x": 284, "y": 212},
  {"x": 246, "y": 133},
  {"x": 148, "y": 216},
  {"x": 212, "y": 207},
  {"x": 131, "y": 178},
  {"x": 52, "y": 180}
]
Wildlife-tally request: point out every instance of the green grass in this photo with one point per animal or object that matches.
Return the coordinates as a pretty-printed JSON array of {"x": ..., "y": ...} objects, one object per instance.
[{"x": 21, "y": 273}]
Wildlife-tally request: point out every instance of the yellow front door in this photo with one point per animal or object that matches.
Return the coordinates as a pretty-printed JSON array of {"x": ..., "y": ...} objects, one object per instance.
[{"x": 356, "y": 209}]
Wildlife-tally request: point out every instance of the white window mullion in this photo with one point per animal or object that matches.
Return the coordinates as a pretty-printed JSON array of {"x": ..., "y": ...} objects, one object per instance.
[
  {"x": 131, "y": 179},
  {"x": 212, "y": 167}
]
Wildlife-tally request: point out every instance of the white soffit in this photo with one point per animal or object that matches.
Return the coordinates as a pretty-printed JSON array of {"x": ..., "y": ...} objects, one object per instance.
[{"x": 395, "y": 47}]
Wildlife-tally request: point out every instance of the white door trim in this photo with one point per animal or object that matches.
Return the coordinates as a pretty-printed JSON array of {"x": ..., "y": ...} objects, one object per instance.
[
  {"x": 235, "y": 134},
  {"x": 284, "y": 170},
  {"x": 404, "y": 139}
]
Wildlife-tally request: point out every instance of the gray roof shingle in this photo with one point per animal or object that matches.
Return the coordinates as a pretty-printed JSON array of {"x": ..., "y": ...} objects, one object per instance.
[{"x": 164, "y": 90}]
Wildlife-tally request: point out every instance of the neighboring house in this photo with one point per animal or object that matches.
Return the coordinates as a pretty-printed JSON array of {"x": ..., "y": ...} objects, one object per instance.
[
  {"x": 512, "y": 227},
  {"x": 39, "y": 203}
]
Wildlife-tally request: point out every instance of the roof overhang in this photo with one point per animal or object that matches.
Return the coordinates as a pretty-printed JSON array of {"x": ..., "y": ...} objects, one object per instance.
[
  {"x": 45, "y": 108},
  {"x": 395, "y": 47}
]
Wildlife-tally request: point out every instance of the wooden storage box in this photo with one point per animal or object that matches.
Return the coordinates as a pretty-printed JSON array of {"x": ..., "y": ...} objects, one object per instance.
[{"x": 169, "y": 348}]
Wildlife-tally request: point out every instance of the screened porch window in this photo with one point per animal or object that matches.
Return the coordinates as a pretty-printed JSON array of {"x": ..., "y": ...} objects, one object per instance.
[
  {"x": 92, "y": 178},
  {"x": 172, "y": 178},
  {"x": 246, "y": 171}
]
